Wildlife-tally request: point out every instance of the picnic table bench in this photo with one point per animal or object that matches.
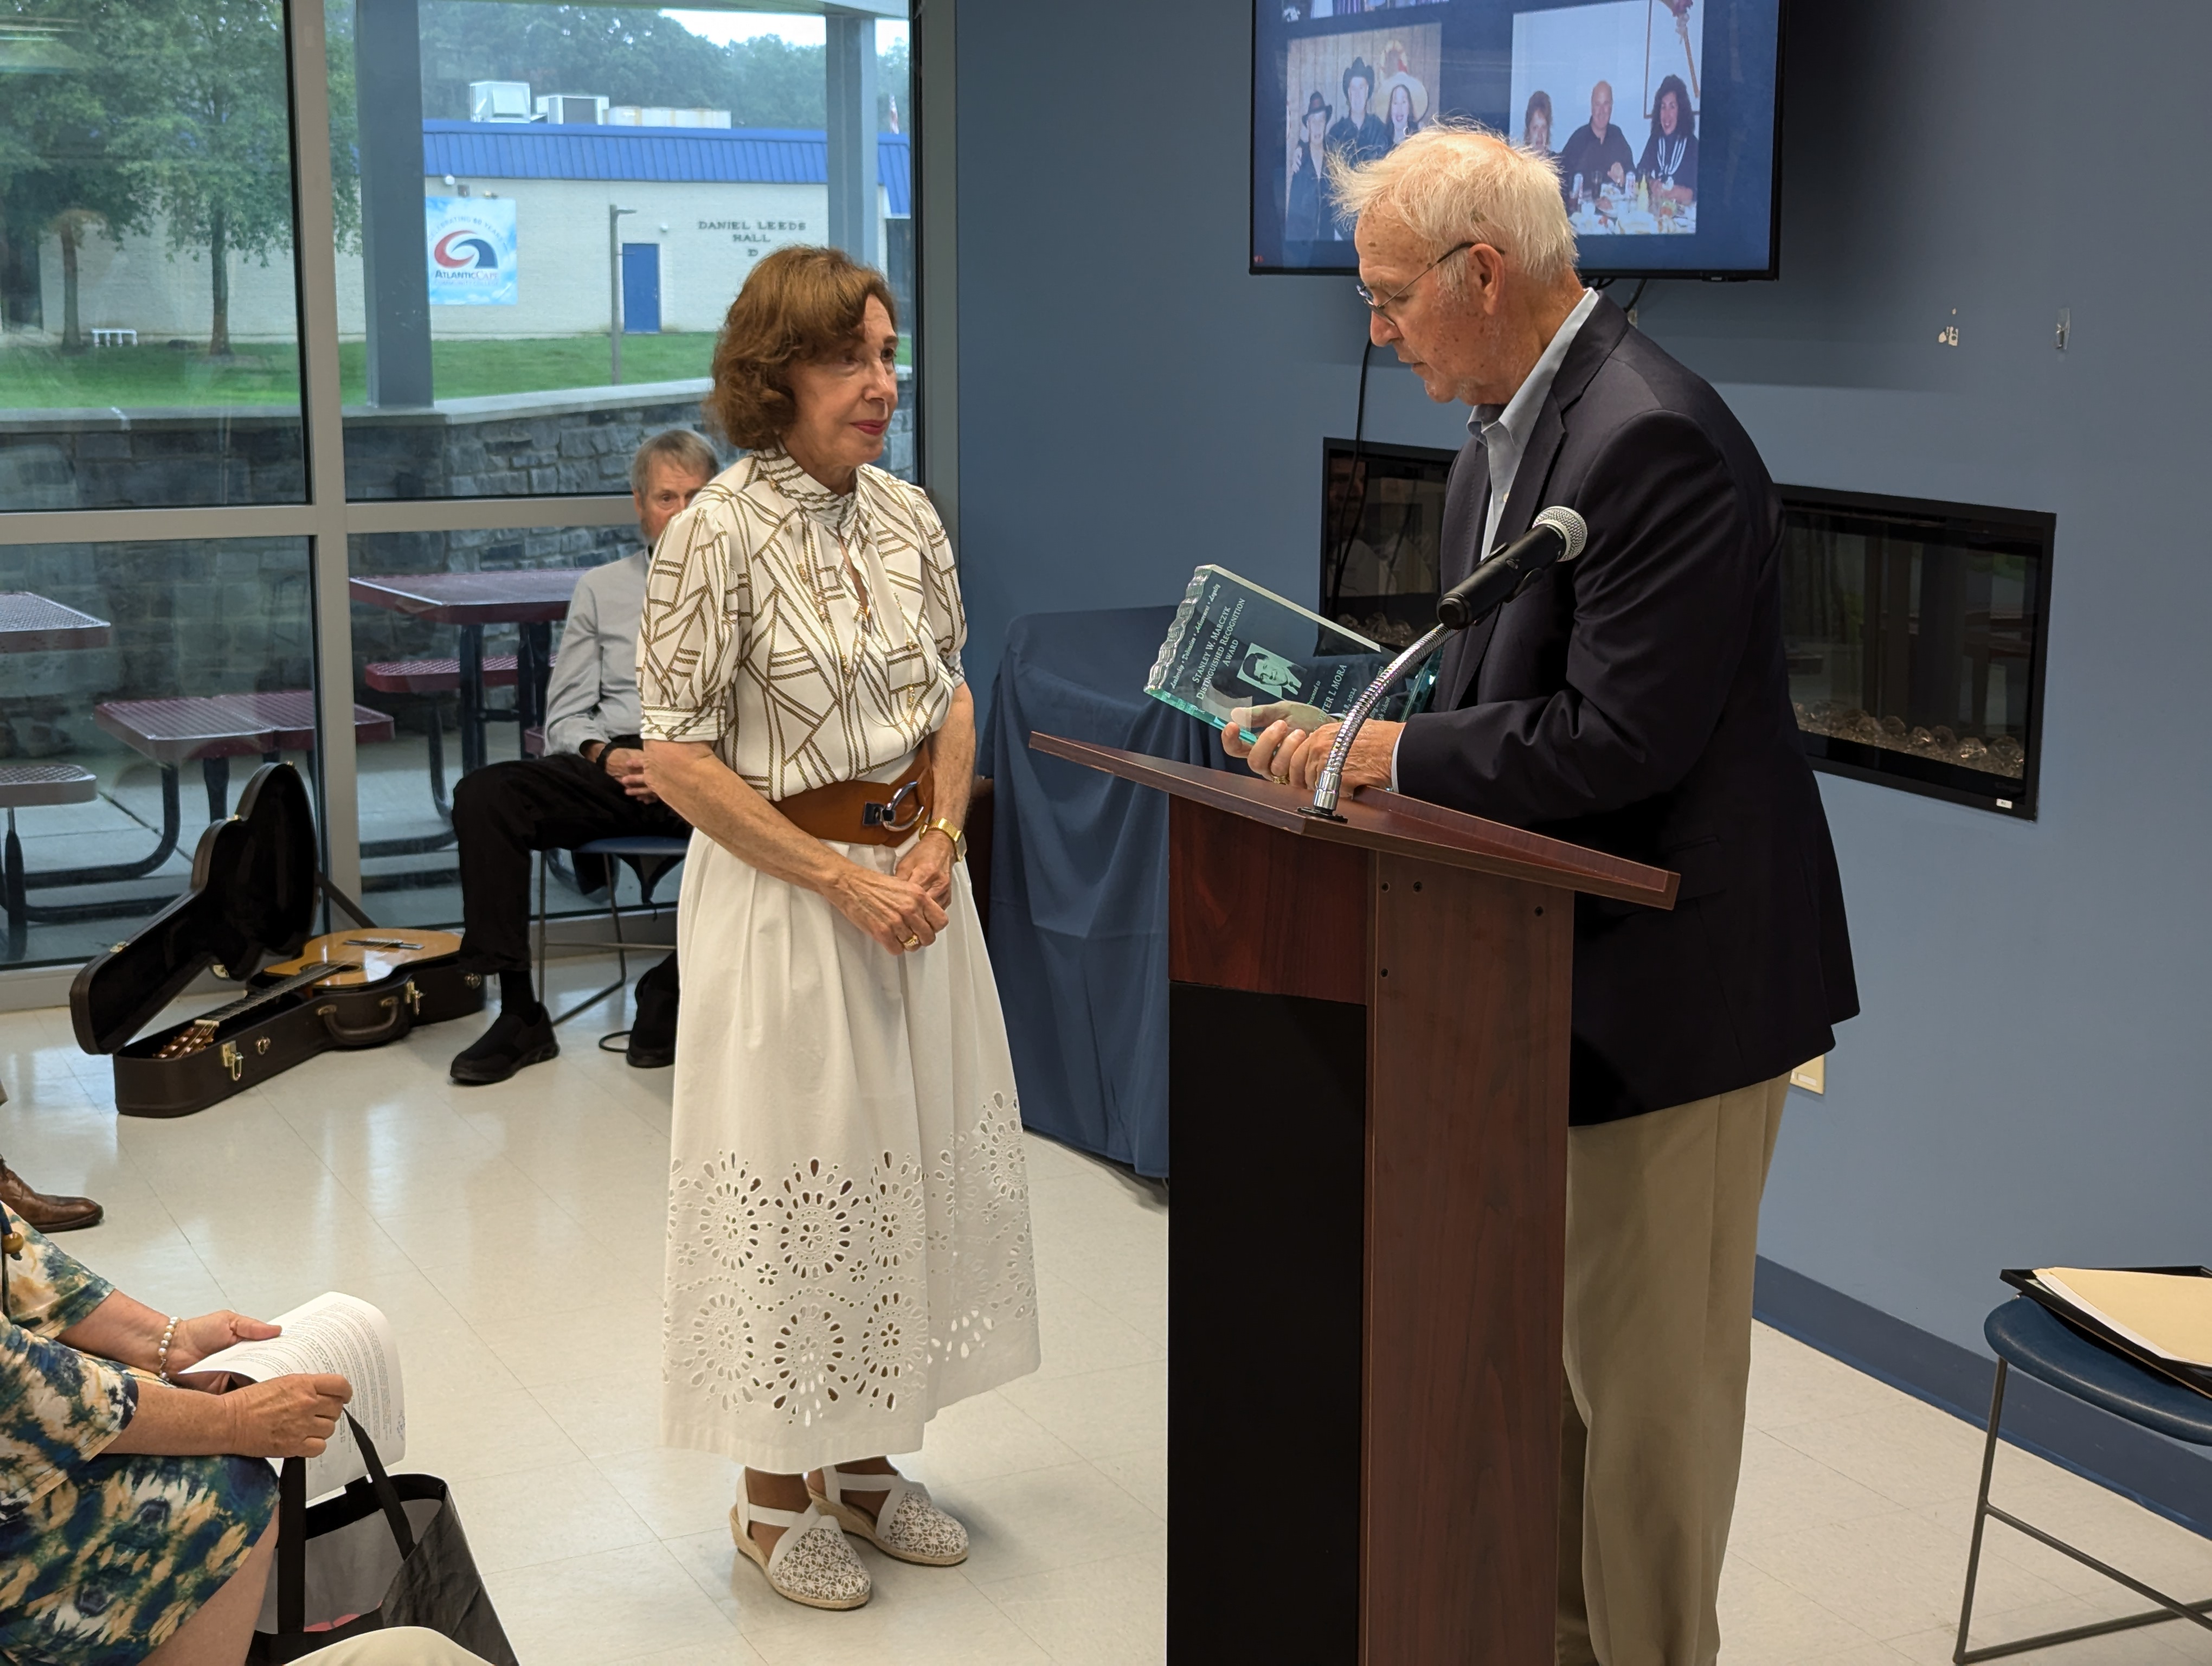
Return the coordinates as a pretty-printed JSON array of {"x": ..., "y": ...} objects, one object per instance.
[
  {"x": 436, "y": 677},
  {"x": 211, "y": 730}
]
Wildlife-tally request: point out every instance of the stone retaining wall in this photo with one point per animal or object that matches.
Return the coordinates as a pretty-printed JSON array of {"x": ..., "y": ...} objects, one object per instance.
[{"x": 511, "y": 445}]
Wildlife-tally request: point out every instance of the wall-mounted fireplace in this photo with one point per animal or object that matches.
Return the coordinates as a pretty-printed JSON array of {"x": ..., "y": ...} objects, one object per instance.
[{"x": 1915, "y": 634}]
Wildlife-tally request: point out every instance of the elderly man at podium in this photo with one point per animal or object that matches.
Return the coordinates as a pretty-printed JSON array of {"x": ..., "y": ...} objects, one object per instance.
[{"x": 1634, "y": 701}]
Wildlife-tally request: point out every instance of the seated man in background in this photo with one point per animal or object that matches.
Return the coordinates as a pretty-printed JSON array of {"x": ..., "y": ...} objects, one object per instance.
[
  {"x": 1596, "y": 153},
  {"x": 589, "y": 785}
]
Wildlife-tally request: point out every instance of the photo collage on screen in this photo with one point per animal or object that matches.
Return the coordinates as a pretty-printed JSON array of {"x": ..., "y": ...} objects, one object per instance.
[{"x": 1665, "y": 155}]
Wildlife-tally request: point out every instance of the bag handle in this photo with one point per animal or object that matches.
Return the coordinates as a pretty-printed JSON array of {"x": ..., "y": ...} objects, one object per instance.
[
  {"x": 387, "y": 1495},
  {"x": 369, "y": 1035},
  {"x": 292, "y": 1527}
]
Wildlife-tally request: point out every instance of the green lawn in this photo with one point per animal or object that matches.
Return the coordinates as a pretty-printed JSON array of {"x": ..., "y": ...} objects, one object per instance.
[
  {"x": 149, "y": 375},
  {"x": 33, "y": 377}
]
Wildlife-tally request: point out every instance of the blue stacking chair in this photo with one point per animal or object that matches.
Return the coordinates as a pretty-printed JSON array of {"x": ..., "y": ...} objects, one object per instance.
[
  {"x": 2031, "y": 1337},
  {"x": 649, "y": 857}
]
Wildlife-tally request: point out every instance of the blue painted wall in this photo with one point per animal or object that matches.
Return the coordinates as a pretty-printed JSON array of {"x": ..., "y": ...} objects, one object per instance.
[{"x": 2026, "y": 1085}]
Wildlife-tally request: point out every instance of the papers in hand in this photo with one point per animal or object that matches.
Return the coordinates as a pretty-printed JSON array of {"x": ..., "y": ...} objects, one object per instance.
[
  {"x": 2166, "y": 1313},
  {"x": 347, "y": 1337}
]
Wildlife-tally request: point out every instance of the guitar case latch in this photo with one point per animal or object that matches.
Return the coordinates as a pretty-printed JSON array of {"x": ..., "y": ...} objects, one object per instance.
[{"x": 233, "y": 1061}]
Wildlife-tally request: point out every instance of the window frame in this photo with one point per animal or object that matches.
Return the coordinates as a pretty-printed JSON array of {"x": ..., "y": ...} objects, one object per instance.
[{"x": 328, "y": 520}]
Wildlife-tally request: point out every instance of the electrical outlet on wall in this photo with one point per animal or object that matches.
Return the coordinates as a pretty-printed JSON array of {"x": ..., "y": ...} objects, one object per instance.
[
  {"x": 1948, "y": 334},
  {"x": 1812, "y": 1075}
]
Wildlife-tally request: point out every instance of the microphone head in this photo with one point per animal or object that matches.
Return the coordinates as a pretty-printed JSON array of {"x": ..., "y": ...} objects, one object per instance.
[{"x": 1568, "y": 526}]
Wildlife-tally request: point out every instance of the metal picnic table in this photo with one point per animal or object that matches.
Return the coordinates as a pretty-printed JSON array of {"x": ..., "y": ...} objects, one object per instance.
[
  {"x": 29, "y": 623},
  {"x": 529, "y": 597}
]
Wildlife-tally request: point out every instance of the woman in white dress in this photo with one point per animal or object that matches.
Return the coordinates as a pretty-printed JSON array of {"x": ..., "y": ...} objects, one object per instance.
[{"x": 849, "y": 1216}]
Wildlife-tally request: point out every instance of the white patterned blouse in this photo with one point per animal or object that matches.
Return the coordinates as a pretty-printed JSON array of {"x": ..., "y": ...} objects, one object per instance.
[{"x": 754, "y": 639}]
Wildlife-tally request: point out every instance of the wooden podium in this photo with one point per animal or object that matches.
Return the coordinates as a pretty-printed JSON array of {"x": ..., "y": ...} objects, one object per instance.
[{"x": 1368, "y": 1123}]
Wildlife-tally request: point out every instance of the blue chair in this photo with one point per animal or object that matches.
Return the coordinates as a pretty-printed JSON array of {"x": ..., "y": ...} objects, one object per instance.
[
  {"x": 2031, "y": 1337},
  {"x": 648, "y": 856}
]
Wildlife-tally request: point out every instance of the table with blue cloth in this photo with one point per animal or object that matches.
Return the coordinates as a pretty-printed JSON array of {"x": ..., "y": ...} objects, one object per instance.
[{"x": 1080, "y": 878}]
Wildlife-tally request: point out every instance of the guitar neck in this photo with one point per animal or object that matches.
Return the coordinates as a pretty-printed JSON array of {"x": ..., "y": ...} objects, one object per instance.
[{"x": 201, "y": 1029}]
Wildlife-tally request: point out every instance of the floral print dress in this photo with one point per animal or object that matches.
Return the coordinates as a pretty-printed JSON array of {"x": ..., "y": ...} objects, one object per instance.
[{"x": 101, "y": 1557}]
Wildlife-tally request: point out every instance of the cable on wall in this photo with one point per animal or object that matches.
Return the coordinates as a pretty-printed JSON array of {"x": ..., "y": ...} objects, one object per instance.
[{"x": 1355, "y": 496}]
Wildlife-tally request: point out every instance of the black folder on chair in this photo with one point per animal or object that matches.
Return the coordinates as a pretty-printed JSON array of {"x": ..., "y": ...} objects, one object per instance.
[{"x": 2023, "y": 1279}]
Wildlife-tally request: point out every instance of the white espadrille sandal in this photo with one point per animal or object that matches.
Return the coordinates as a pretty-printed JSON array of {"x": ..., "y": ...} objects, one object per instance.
[
  {"x": 909, "y": 1525},
  {"x": 810, "y": 1563}
]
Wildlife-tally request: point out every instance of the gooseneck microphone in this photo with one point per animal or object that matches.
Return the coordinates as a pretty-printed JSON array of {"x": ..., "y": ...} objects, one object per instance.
[{"x": 1556, "y": 535}]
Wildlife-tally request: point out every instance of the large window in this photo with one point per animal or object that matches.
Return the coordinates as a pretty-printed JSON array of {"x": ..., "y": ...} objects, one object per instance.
[
  {"x": 453, "y": 634},
  {"x": 557, "y": 203},
  {"x": 149, "y": 336},
  {"x": 140, "y": 684},
  {"x": 306, "y": 307}
]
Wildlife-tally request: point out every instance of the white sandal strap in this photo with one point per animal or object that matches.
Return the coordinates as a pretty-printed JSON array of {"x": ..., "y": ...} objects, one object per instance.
[
  {"x": 837, "y": 1483},
  {"x": 796, "y": 1525},
  {"x": 760, "y": 1512}
]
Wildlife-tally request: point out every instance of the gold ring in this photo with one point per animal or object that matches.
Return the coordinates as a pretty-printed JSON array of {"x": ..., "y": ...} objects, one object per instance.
[{"x": 913, "y": 942}]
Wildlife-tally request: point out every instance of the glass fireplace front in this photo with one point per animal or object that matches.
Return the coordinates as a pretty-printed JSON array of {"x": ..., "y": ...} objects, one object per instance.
[
  {"x": 1382, "y": 526},
  {"x": 1915, "y": 635}
]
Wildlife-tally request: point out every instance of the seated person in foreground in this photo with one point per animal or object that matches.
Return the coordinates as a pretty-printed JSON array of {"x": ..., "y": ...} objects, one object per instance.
[
  {"x": 136, "y": 1516},
  {"x": 589, "y": 785}
]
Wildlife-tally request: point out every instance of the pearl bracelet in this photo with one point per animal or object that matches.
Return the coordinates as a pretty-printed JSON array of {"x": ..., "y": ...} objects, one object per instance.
[{"x": 161, "y": 1358}]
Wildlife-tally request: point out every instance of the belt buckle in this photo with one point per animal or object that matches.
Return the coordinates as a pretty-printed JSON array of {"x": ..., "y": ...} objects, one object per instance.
[{"x": 887, "y": 816}]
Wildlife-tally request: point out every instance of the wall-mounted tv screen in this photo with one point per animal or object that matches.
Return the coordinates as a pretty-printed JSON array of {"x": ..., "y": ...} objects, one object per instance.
[{"x": 1659, "y": 115}]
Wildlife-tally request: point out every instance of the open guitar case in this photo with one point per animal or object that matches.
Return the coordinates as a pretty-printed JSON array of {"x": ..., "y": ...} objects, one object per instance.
[{"x": 254, "y": 888}]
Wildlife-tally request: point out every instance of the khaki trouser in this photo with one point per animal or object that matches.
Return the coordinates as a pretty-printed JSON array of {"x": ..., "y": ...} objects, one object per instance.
[{"x": 1663, "y": 1230}]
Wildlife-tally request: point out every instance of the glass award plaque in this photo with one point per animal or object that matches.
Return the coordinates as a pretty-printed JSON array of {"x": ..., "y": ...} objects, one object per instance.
[{"x": 1233, "y": 644}]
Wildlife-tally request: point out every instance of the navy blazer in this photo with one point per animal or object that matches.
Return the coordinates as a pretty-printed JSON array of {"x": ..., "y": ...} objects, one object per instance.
[{"x": 1636, "y": 700}]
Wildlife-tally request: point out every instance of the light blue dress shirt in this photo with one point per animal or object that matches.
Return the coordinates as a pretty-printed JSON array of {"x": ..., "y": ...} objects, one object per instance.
[
  {"x": 1504, "y": 430},
  {"x": 592, "y": 694}
]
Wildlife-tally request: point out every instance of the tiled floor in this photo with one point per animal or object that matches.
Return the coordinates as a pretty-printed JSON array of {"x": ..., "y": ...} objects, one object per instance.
[{"x": 513, "y": 1234}]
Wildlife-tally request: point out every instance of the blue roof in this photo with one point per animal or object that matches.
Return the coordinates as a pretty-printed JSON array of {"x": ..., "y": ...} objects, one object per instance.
[{"x": 548, "y": 150}]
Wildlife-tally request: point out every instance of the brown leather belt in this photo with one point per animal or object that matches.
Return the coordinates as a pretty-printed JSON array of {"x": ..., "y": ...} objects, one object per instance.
[{"x": 868, "y": 812}]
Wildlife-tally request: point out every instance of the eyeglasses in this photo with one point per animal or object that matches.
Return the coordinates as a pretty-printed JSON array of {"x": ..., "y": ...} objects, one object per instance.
[{"x": 1391, "y": 300}]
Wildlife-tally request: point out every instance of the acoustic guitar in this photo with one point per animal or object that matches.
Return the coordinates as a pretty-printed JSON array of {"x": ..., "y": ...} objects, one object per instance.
[{"x": 332, "y": 961}]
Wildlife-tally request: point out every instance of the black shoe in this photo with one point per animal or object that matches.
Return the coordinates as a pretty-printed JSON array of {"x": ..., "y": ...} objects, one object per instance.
[
  {"x": 653, "y": 1034},
  {"x": 513, "y": 1040}
]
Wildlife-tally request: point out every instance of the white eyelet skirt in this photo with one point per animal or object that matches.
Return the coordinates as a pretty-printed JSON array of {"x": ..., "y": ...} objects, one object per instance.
[{"x": 849, "y": 1225}]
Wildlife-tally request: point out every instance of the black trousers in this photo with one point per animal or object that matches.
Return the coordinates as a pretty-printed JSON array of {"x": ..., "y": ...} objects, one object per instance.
[{"x": 504, "y": 813}]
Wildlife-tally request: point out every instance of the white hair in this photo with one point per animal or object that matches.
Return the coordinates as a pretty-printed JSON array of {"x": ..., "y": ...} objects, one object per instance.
[{"x": 1454, "y": 181}]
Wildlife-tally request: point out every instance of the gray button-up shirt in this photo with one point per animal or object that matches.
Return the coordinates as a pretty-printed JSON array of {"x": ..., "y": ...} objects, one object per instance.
[{"x": 593, "y": 695}]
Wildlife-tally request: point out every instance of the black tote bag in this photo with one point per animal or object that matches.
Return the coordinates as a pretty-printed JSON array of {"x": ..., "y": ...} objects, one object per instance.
[{"x": 387, "y": 1551}]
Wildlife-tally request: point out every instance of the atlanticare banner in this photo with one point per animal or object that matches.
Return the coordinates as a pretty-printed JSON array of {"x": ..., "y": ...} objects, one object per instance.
[{"x": 472, "y": 251}]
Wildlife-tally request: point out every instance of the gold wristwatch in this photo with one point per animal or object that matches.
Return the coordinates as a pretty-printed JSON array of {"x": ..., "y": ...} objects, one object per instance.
[{"x": 959, "y": 839}]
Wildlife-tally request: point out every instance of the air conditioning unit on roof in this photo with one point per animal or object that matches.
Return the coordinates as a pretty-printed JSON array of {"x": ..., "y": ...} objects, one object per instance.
[
  {"x": 663, "y": 115},
  {"x": 572, "y": 109},
  {"x": 499, "y": 101}
]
